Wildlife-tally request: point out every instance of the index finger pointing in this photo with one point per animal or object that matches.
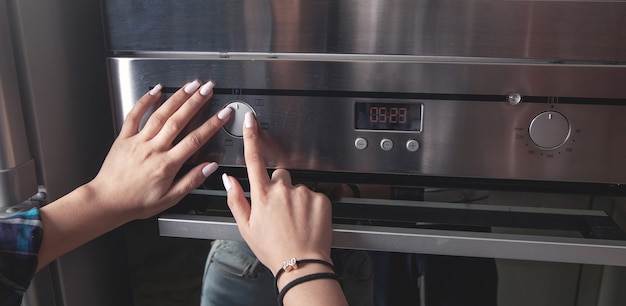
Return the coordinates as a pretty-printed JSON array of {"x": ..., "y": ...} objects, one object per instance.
[{"x": 257, "y": 172}]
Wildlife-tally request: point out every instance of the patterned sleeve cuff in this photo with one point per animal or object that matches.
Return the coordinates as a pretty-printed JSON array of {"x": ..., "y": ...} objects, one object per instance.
[{"x": 20, "y": 238}]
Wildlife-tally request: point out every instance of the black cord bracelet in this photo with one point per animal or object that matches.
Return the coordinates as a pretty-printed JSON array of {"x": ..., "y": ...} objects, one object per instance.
[
  {"x": 304, "y": 279},
  {"x": 301, "y": 262}
]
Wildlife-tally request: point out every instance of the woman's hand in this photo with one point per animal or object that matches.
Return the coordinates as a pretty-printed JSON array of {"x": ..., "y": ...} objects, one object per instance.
[
  {"x": 138, "y": 178},
  {"x": 138, "y": 174},
  {"x": 284, "y": 221}
]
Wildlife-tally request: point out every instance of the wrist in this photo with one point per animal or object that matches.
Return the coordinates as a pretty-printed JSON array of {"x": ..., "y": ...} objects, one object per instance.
[
  {"x": 277, "y": 266},
  {"x": 319, "y": 277},
  {"x": 108, "y": 209},
  {"x": 294, "y": 269}
]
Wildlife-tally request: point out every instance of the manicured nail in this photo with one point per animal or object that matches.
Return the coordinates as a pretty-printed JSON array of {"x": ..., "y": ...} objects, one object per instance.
[
  {"x": 155, "y": 90},
  {"x": 209, "y": 169},
  {"x": 226, "y": 181},
  {"x": 191, "y": 87},
  {"x": 248, "y": 120},
  {"x": 225, "y": 112},
  {"x": 206, "y": 89}
]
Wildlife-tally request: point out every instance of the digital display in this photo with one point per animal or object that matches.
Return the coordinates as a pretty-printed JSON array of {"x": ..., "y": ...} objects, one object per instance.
[{"x": 388, "y": 116}]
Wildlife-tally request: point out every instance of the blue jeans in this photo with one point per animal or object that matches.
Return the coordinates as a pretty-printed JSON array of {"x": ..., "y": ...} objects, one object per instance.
[{"x": 234, "y": 276}]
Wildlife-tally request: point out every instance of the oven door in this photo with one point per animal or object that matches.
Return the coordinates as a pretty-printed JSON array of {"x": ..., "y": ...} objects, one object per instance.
[{"x": 490, "y": 224}]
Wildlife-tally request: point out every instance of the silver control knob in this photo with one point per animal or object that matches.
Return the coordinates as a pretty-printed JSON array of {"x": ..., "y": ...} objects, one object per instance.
[
  {"x": 360, "y": 143},
  {"x": 234, "y": 126},
  {"x": 412, "y": 145},
  {"x": 549, "y": 130},
  {"x": 386, "y": 144}
]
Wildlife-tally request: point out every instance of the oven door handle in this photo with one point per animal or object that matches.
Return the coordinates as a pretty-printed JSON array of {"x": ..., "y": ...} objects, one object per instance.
[{"x": 424, "y": 241}]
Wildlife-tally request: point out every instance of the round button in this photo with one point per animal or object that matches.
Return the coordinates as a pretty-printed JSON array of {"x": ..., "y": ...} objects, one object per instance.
[
  {"x": 412, "y": 145},
  {"x": 234, "y": 126},
  {"x": 386, "y": 144},
  {"x": 360, "y": 143},
  {"x": 549, "y": 130}
]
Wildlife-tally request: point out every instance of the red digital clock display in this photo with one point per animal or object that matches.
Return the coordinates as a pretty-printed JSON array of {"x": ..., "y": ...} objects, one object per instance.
[{"x": 388, "y": 116}]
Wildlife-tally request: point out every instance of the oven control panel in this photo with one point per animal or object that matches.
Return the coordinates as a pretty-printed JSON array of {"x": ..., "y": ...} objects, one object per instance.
[
  {"x": 373, "y": 123},
  {"x": 482, "y": 139}
]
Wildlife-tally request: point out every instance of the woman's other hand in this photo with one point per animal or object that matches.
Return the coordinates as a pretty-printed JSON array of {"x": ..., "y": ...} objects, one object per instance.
[
  {"x": 284, "y": 221},
  {"x": 138, "y": 176}
]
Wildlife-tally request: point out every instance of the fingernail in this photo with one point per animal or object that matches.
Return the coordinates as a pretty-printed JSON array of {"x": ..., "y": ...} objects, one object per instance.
[
  {"x": 207, "y": 88},
  {"x": 191, "y": 87},
  {"x": 248, "y": 120},
  {"x": 209, "y": 169},
  {"x": 155, "y": 90},
  {"x": 226, "y": 181},
  {"x": 224, "y": 112}
]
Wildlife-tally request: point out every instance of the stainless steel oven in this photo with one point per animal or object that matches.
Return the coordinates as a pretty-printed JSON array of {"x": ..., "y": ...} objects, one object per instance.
[{"x": 411, "y": 96}]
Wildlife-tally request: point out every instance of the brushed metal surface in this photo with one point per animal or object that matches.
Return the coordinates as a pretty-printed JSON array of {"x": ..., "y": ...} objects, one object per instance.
[
  {"x": 425, "y": 241},
  {"x": 306, "y": 110},
  {"x": 555, "y": 30},
  {"x": 302, "y": 66}
]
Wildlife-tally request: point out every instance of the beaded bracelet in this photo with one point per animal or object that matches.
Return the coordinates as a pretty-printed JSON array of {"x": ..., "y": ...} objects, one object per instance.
[
  {"x": 303, "y": 279},
  {"x": 293, "y": 264}
]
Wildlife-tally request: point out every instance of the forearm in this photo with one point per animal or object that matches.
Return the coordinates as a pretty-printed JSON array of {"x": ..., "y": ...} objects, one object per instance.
[{"x": 73, "y": 220}]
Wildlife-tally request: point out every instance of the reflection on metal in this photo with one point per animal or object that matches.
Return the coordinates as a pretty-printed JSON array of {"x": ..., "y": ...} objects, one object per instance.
[{"x": 550, "y": 30}]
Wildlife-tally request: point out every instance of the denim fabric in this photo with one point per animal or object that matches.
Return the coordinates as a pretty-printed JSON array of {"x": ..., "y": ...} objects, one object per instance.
[{"x": 234, "y": 276}]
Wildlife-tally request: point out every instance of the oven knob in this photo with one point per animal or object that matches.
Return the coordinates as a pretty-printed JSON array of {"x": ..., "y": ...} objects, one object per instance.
[
  {"x": 549, "y": 130},
  {"x": 234, "y": 126}
]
